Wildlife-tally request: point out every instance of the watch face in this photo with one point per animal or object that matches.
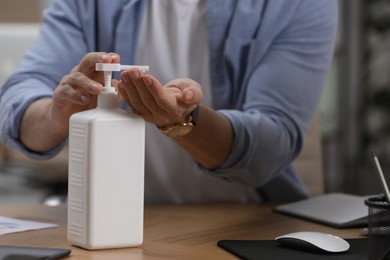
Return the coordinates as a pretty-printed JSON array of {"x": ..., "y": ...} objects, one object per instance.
[{"x": 179, "y": 131}]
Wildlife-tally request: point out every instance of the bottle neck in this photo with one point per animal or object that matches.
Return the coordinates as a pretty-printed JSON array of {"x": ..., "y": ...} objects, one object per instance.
[{"x": 107, "y": 99}]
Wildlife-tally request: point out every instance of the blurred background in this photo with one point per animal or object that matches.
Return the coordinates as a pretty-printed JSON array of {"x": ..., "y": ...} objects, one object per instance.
[{"x": 354, "y": 110}]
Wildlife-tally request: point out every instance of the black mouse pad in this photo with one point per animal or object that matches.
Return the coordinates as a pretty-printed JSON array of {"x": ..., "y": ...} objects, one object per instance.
[{"x": 271, "y": 249}]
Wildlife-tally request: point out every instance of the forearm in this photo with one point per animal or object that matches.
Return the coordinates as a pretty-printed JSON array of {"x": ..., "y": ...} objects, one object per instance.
[
  {"x": 39, "y": 131},
  {"x": 210, "y": 142}
]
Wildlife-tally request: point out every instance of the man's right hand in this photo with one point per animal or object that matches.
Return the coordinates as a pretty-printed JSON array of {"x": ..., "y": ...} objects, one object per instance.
[
  {"x": 78, "y": 91},
  {"x": 46, "y": 121}
]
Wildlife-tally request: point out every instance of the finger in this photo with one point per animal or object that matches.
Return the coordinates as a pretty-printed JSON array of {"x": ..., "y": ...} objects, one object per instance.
[
  {"x": 114, "y": 83},
  {"x": 65, "y": 94},
  {"x": 110, "y": 57},
  {"x": 165, "y": 100},
  {"x": 189, "y": 96},
  {"x": 77, "y": 88},
  {"x": 161, "y": 102},
  {"x": 136, "y": 88},
  {"x": 145, "y": 87},
  {"x": 132, "y": 97},
  {"x": 191, "y": 90},
  {"x": 87, "y": 64},
  {"x": 82, "y": 83},
  {"x": 102, "y": 57},
  {"x": 124, "y": 96}
]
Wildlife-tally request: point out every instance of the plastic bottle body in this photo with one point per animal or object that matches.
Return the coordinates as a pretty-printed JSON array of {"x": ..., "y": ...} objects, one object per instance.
[{"x": 106, "y": 179}]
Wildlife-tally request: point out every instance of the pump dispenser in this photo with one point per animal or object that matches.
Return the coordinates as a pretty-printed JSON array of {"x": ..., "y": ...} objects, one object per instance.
[{"x": 106, "y": 172}]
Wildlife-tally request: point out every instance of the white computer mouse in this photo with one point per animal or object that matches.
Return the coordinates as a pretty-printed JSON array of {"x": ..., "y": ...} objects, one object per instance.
[{"x": 308, "y": 240}]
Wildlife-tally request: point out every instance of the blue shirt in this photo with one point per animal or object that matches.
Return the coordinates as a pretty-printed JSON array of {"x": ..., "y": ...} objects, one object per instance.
[{"x": 268, "y": 62}]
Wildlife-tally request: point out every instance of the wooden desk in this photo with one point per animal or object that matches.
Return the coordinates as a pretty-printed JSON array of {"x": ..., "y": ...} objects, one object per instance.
[{"x": 171, "y": 231}]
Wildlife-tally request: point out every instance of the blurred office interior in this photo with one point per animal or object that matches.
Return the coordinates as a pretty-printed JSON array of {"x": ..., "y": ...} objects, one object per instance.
[{"x": 354, "y": 110}]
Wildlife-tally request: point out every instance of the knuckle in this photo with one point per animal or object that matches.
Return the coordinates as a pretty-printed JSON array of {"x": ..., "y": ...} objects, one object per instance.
[
  {"x": 65, "y": 79},
  {"x": 71, "y": 78},
  {"x": 61, "y": 92},
  {"x": 76, "y": 76},
  {"x": 90, "y": 55}
]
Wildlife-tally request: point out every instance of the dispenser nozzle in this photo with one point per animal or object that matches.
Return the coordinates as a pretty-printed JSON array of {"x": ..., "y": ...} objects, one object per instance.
[
  {"x": 107, "y": 98},
  {"x": 118, "y": 67},
  {"x": 108, "y": 68}
]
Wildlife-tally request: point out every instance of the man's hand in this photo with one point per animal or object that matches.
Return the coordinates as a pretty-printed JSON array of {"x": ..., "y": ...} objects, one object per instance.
[
  {"x": 78, "y": 91},
  {"x": 46, "y": 121},
  {"x": 160, "y": 105}
]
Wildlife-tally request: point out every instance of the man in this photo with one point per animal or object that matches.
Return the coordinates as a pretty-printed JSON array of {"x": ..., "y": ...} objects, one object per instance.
[{"x": 250, "y": 72}]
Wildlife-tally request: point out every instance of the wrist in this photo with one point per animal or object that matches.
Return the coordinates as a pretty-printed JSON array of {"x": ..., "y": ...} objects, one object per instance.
[{"x": 181, "y": 128}]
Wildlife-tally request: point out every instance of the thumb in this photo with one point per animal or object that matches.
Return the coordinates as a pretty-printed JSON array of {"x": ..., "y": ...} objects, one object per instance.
[
  {"x": 192, "y": 95},
  {"x": 188, "y": 96}
]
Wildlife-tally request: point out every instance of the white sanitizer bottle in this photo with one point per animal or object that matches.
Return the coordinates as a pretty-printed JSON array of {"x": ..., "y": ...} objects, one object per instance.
[{"x": 106, "y": 173}]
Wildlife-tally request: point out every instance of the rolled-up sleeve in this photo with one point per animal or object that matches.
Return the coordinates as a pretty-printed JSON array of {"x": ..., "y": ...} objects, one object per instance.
[{"x": 42, "y": 68}]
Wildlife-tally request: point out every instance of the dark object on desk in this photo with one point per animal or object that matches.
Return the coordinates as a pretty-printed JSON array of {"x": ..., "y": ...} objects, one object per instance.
[
  {"x": 272, "y": 250},
  {"x": 333, "y": 209},
  {"x": 379, "y": 227},
  {"x": 32, "y": 253}
]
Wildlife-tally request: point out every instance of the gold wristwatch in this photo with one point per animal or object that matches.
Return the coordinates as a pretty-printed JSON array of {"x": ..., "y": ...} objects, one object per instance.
[{"x": 183, "y": 128}]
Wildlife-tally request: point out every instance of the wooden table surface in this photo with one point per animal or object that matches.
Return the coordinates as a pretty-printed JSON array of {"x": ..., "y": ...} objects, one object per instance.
[{"x": 189, "y": 231}]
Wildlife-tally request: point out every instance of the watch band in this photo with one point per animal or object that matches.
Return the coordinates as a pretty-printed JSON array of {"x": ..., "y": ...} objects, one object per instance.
[
  {"x": 194, "y": 115},
  {"x": 182, "y": 128}
]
